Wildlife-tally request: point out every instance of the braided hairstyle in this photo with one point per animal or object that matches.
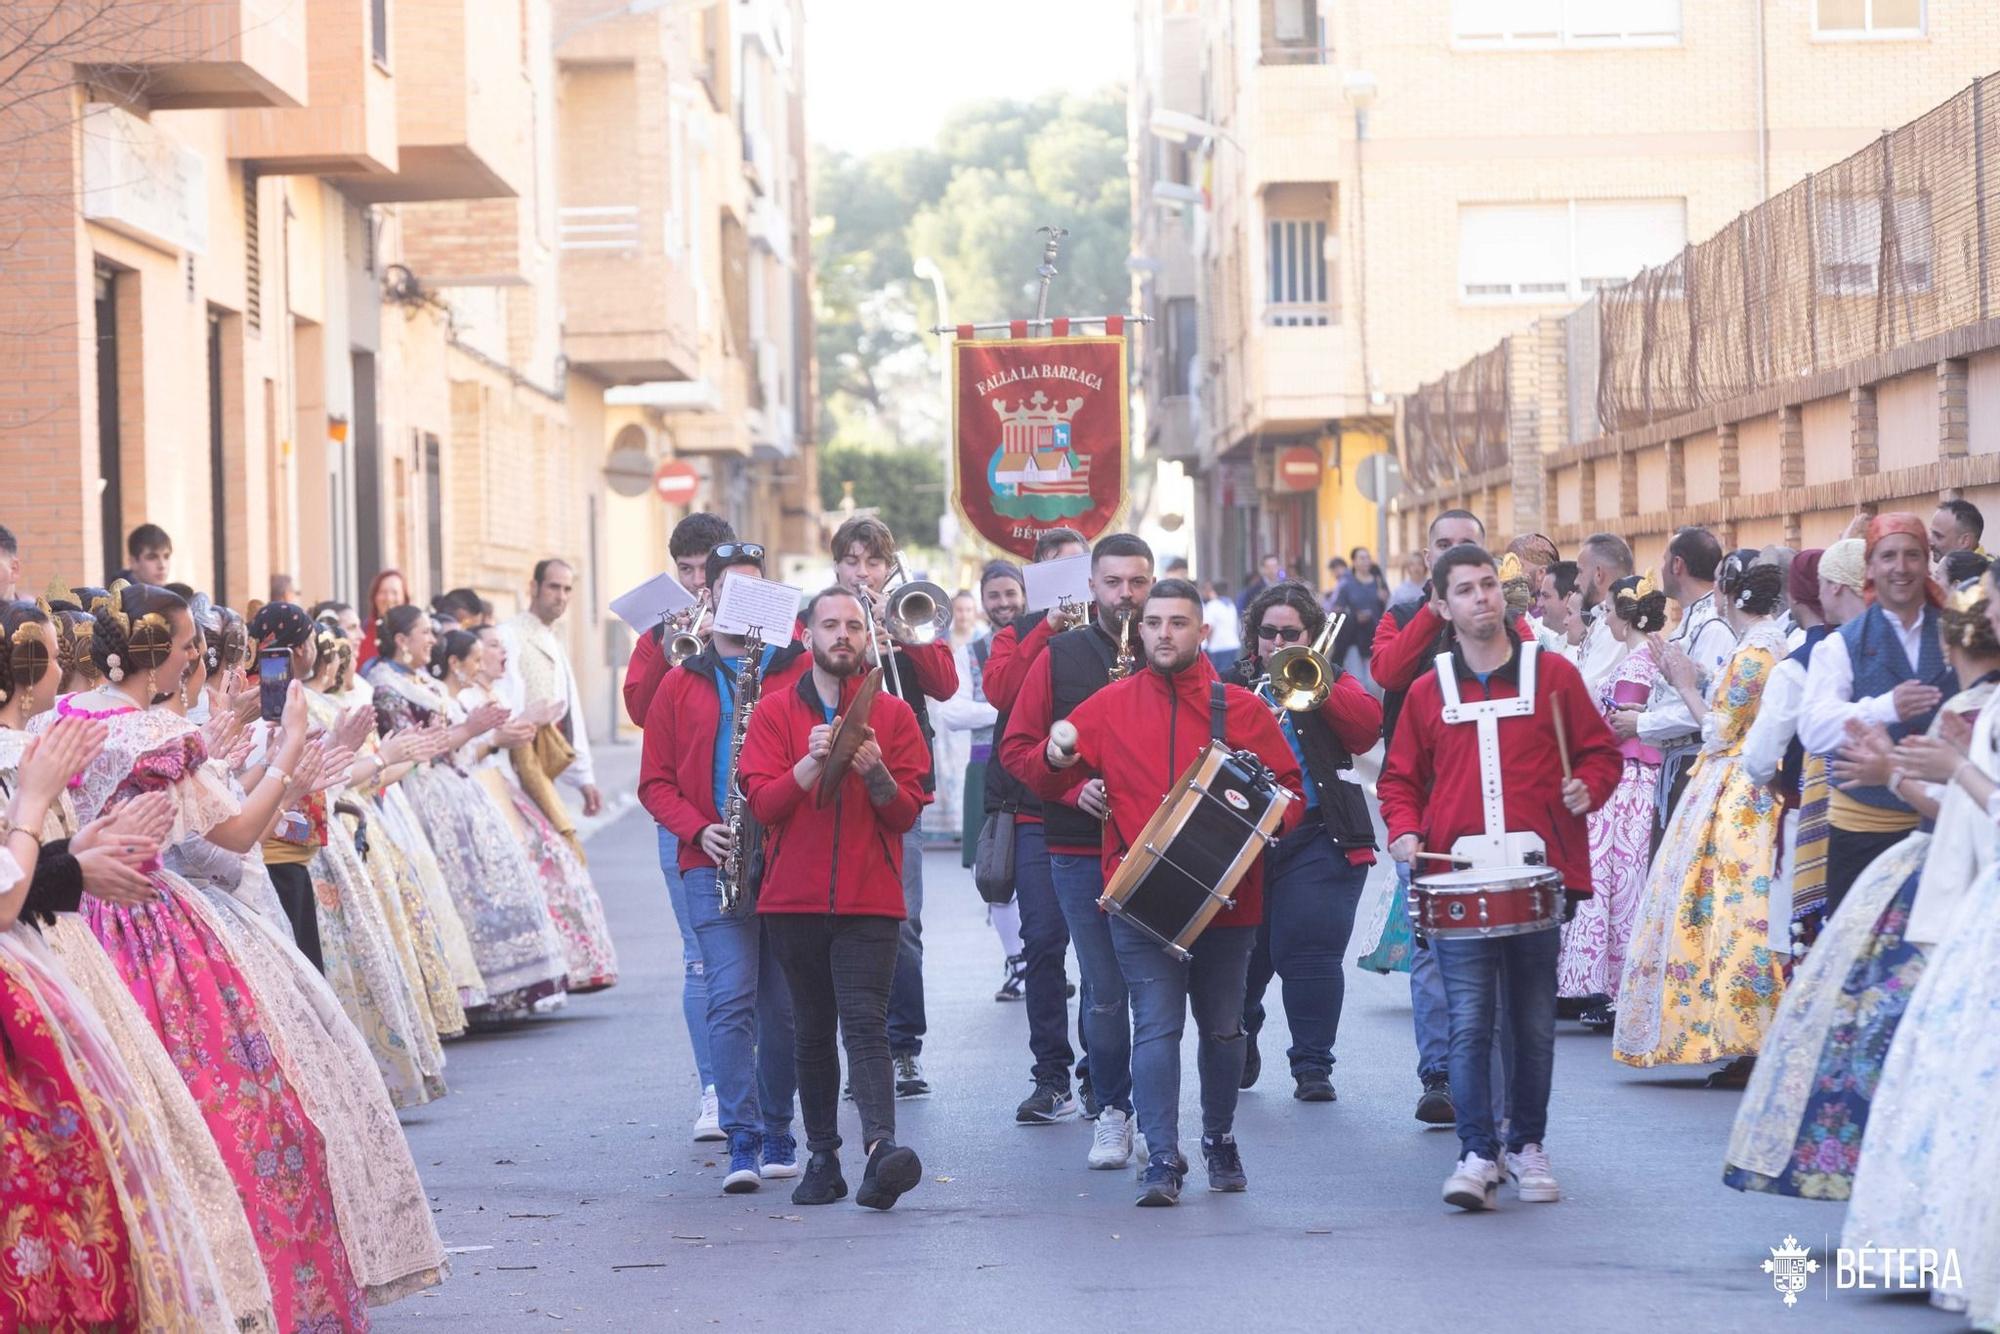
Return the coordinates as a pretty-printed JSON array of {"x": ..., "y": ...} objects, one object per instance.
[
  {"x": 1748, "y": 585},
  {"x": 1963, "y": 623},
  {"x": 232, "y": 643},
  {"x": 24, "y": 652},
  {"x": 451, "y": 647},
  {"x": 133, "y": 630},
  {"x": 1644, "y": 611},
  {"x": 393, "y": 622}
]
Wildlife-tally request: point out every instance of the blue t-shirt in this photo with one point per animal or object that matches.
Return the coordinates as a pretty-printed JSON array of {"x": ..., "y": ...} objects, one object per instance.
[{"x": 725, "y": 728}]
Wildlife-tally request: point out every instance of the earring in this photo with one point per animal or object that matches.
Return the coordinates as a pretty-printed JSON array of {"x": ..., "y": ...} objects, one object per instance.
[
  {"x": 28, "y": 702},
  {"x": 152, "y": 685}
]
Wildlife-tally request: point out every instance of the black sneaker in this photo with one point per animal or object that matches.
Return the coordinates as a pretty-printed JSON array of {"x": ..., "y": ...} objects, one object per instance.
[
  {"x": 1224, "y": 1163},
  {"x": 1161, "y": 1185},
  {"x": 822, "y": 1183},
  {"x": 1253, "y": 1064},
  {"x": 893, "y": 1171},
  {"x": 1016, "y": 977},
  {"x": 1735, "y": 1075},
  {"x": 1434, "y": 1107},
  {"x": 910, "y": 1081},
  {"x": 1048, "y": 1104},
  {"x": 1599, "y": 1019},
  {"x": 1313, "y": 1086},
  {"x": 1087, "y": 1096}
]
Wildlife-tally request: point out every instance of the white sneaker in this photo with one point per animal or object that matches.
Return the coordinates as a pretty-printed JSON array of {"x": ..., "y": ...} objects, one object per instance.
[
  {"x": 1111, "y": 1141},
  {"x": 1534, "y": 1181},
  {"x": 1141, "y": 1155},
  {"x": 1475, "y": 1184},
  {"x": 708, "y": 1126}
]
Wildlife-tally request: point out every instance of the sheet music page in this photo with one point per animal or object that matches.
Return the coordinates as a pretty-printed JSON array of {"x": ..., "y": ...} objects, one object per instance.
[
  {"x": 1050, "y": 581},
  {"x": 765, "y": 603},
  {"x": 646, "y": 606}
]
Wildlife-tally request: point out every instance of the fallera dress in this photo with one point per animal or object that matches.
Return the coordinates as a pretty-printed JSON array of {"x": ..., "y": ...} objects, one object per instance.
[{"x": 1595, "y": 940}]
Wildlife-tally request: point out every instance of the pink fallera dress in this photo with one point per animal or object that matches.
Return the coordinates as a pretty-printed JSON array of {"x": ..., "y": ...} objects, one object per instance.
[{"x": 1594, "y": 941}]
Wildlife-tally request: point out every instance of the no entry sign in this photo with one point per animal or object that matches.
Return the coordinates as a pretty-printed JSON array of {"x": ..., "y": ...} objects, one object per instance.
[{"x": 675, "y": 482}]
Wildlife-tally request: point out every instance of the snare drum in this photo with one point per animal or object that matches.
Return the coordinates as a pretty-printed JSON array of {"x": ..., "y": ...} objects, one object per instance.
[{"x": 1488, "y": 901}]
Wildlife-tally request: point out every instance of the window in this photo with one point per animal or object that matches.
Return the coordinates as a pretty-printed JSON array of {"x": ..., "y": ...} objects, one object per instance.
[
  {"x": 1564, "y": 250},
  {"x": 1849, "y": 243},
  {"x": 1293, "y": 33},
  {"x": 1182, "y": 332},
  {"x": 1547, "y": 23},
  {"x": 378, "y": 30},
  {"x": 1868, "y": 18},
  {"x": 1295, "y": 290}
]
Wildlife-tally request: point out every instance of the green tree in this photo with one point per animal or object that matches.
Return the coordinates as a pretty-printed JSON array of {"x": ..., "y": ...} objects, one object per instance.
[{"x": 903, "y": 484}]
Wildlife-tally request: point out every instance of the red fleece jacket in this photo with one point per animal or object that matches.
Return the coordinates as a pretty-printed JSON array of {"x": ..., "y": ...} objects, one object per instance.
[
  {"x": 846, "y": 857},
  {"x": 1141, "y": 733}
]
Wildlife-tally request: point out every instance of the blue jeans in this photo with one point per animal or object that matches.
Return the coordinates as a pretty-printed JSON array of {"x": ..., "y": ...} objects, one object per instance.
[
  {"x": 694, "y": 980},
  {"x": 906, "y": 991},
  {"x": 1427, "y": 1008},
  {"x": 749, "y": 1013},
  {"x": 1522, "y": 970},
  {"x": 1163, "y": 991},
  {"x": 1107, "y": 1019},
  {"x": 1044, "y": 944},
  {"x": 1310, "y": 893}
]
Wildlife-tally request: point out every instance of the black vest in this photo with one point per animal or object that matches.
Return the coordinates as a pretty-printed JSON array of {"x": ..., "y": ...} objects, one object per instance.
[
  {"x": 1342, "y": 806},
  {"x": 1003, "y": 790},
  {"x": 1079, "y": 666}
]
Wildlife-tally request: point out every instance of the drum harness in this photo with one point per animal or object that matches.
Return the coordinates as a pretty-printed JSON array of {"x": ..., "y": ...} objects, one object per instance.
[
  {"x": 1218, "y": 727},
  {"x": 1497, "y": 846}
]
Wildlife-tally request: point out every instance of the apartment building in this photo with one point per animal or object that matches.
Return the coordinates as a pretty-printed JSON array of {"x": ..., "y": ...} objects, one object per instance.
[
  {"x": 1333, "y": 199},
  {"x": 330, "y": 286}
]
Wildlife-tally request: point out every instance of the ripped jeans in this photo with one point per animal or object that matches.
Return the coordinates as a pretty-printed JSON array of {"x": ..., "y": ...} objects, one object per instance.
[
  {"x": 694, "y": 979},
  {"x": 1107, "y": 1023},
  {"x": 1163, "y": 990}
]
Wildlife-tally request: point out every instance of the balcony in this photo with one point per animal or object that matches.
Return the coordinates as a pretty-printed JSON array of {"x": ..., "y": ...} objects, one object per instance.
[
  {"x": 1176, "y": 429},
  {"x": 1303, "y": 375},
  {"x": 468, "y": 242},
  {"x": 348, "y": 124},
  {"x": 1302, "y": 128},
  {"x": 186, "y": 54},
  {"x": 462, "y": 105}
]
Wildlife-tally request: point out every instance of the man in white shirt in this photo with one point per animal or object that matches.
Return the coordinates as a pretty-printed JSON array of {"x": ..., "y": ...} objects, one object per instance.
[
  {"x": 1603, "y": 560},
  {"x": 538, "y": 668},
  {"x": 1687, "y": 575},
  {"x": 1220, "y": 615},
  {"x": 1884, "y": 668}
]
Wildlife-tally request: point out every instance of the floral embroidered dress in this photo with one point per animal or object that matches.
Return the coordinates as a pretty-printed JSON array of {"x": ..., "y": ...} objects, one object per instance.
[
  {"x": 1595, "y": 940},
  {"x": 363, "y": 965},
  {"x": 499, "y": 897},
  {"x": 451, "y": 971},
  {"x": 1929, "y": 1159},
  {"x": 574, "y": 906},
  {"x": 1799, "y": 1127},
  {"x": 188, "y": 1197},
  {"x": 1700, "y": 981},
  {"x": 189, "y": 983}
]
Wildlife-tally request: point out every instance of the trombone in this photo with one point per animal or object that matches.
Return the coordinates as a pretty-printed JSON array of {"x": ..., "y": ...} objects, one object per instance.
[
  {"x": 914, "y": 612},
  {"x": 1301, "y": 677},
  {"x": 686, "y": 640}
]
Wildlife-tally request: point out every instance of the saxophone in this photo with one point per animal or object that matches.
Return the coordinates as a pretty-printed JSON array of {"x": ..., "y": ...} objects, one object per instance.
[
  {"x": 749, "y": 683},
  {"x": 1128, "y": 661}
]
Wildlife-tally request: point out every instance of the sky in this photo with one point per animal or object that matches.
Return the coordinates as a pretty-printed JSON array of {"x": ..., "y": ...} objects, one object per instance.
[{"x": 883, "y": 73}]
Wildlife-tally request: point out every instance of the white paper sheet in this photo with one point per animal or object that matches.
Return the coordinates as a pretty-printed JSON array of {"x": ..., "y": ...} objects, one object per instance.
[
  {"x": 1050, "y": 581},
  {"x": 765, "y": 603},
  {"x": 646, "y": 606}
]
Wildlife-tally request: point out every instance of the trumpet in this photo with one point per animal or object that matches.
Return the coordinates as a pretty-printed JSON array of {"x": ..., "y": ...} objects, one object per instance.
[
  {"x": 1128, "y": 661},
  {"x": 1301, "y": 677},
  {"x": 686, "y": 640}
]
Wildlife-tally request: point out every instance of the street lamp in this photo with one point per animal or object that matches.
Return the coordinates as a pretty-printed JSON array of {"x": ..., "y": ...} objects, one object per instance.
[{"x": 926, "y": 268}]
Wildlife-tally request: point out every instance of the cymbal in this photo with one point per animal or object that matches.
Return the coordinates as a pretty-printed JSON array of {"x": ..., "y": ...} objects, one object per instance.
[{"x": 849, "y": 731}]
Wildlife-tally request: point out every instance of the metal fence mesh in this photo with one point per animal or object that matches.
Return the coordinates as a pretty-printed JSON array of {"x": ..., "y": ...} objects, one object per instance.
[
  {"x": 1884, "y": 248},
  {"x": 1458, "y": 422}
]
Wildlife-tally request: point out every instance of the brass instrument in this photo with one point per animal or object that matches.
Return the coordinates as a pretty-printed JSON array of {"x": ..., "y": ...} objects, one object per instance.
[
  {"x": 1128, "y": 661},
  {"x": 749, "y": 685},
  {"x": 1300, "y": 676},
  {"x": 1070, "y": 610},
  {"x": 686, "y": 640},
  {"x": 914, "y": 613}
]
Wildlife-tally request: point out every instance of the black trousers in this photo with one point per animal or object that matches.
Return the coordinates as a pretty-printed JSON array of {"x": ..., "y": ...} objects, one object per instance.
[
  {"x": 293, "y": 881},
  {"x": 1847, "y": 856},
  {"x": 839, "y": 970}
]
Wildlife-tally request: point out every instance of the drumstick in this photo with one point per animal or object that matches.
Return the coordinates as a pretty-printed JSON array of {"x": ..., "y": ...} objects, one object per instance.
[
  {"x": 1446, "y": 857},
  {"x": 1562, "y": 744},
  {"x": 1062, "y": 735}
]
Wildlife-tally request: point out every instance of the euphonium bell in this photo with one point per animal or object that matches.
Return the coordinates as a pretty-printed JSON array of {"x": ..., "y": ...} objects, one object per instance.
[
  {"x": 918, "y": 612},
  {"x": 1302, "y": 677}
]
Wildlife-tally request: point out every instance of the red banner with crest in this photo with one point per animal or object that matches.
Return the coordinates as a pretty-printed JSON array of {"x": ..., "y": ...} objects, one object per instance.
[{"x": 1041, "y": 428}]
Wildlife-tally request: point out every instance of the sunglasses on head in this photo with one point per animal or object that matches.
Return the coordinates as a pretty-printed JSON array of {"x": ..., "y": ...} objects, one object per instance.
[
  {"x": 1291, "y": 634},
  {"x": 747, "y": 550}
]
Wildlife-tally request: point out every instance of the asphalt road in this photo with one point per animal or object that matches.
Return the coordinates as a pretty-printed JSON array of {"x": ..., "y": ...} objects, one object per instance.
[{"x": 563, "y": 1177}]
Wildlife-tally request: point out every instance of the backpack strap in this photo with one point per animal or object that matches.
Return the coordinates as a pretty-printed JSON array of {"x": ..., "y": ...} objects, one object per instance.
[{"x": 1218, "y": 712}]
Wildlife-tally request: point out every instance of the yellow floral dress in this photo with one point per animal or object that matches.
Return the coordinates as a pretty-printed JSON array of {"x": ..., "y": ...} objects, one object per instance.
[{"x": 1700, "y": 982}]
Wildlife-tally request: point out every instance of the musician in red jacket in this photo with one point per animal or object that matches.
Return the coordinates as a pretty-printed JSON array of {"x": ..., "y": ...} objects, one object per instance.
[
  {"x": 1139, "y": 735},
  {"x": 690, "y": 735},
  {"x": 864, "y": 558},
  {"x": 691, "y": 541},
  {"x": 1443, "y": 788},
  {"x": 832, "y": 892}
]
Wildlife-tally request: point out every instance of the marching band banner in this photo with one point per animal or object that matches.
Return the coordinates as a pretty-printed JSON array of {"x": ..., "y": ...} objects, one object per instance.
[{"x": 1041, "y": 427}]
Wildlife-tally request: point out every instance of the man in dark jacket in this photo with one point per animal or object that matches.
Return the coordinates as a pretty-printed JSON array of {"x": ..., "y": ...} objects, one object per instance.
[{"x": 832, "y": 892}]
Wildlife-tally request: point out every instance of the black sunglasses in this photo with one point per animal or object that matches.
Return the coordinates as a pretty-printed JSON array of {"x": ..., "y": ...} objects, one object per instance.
[
  {"x": 747, "y": 550},
  {"x": 1291, "y": 634}
]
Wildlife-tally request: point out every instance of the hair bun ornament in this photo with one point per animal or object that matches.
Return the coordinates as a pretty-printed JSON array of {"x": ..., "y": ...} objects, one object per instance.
[
  {"x": 1648, "y": 585},
  {"x": 1510, "y": 568},
  {"x": 1966, "y": 598}
]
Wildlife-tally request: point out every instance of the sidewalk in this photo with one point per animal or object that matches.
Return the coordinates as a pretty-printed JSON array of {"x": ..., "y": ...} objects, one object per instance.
[{"x": 617, "y": 765}]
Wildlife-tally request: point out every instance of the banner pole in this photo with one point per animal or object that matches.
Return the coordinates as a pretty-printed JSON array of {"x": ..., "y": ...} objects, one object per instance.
[{"x": 1047, "y": 272}]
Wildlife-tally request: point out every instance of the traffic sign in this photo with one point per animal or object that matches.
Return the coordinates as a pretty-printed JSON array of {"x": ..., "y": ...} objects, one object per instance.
[
  {"x": 1380, "y": 478},
  {"x": 675, "y": 482},
  {"x": 1298, "y": 469}
]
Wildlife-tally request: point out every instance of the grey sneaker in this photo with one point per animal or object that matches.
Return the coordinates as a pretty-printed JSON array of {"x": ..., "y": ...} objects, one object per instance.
[{"x": 910, "y": 1081}]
